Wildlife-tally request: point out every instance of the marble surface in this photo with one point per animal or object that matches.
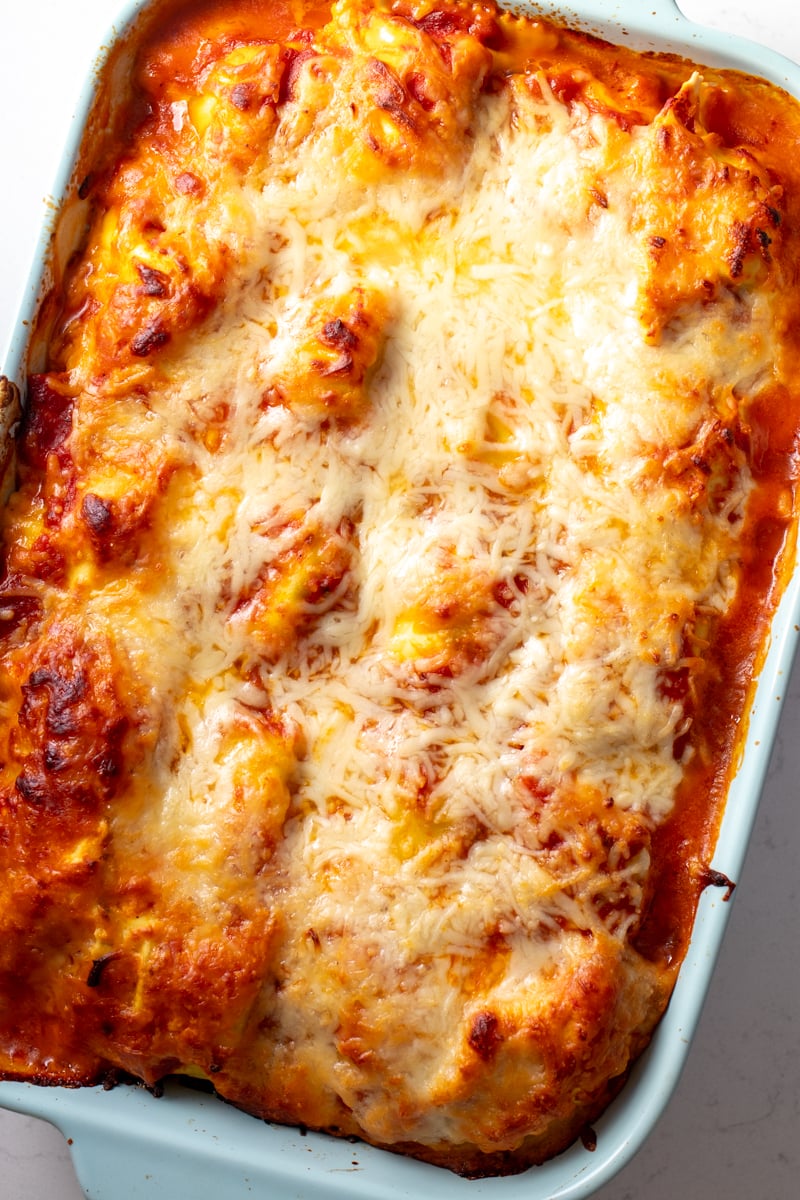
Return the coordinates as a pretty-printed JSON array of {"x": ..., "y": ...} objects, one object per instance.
[{"x": 732, "y": 1128}]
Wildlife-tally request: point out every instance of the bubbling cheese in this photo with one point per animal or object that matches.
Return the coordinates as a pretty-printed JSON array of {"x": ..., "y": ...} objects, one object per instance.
[
  {"x": 505, "y": 296},
  {"x": 512, "y": 434},
  {"x": 510, "y": 300}
]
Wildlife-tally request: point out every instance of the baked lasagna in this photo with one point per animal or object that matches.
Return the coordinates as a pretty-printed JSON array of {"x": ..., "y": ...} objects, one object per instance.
[{"x": 405, "y": 482}]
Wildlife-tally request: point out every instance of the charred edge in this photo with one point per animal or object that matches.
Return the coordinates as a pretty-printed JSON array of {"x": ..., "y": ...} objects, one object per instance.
[
  {"x": 588, "y": 1138},
  {"x": 154, "y": 283},
  {"x": 96, "y": 513},
  {"x": 243, "y": 96},
  {"x": 32, "y": 786},
  {"x": 114, "y": 1077},
  {"x": 151, "y": 338},
  {"x": 485, "y": 1036},
  {"x": 97, "y": 968},
  {"x": 9, "y": 396},
  {"x": 711, "y": 878},
  {"x": 64, "y": 692},
  {"x": 338, "y": 335}
]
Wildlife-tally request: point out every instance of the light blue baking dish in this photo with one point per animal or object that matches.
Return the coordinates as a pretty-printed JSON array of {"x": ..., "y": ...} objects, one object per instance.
[{"x": 128, "y": 1145}]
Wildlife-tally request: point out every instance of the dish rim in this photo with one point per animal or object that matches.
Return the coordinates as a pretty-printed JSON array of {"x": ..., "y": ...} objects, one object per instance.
[{"x": 131, "y": 1130}]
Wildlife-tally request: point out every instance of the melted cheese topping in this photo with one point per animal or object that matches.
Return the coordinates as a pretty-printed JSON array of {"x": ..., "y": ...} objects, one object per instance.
[{"x": 408, "y": 494}]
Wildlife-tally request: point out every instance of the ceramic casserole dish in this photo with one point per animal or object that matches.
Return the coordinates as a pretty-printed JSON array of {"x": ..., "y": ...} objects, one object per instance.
[{"x": 127, "y": 1142}]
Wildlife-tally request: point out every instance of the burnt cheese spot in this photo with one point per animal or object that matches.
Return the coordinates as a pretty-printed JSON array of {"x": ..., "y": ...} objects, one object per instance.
[
  {"x": 485, "y": 1036},
  {"x": 151, "y": 338},
  {"x": 154, "y": 283},
  {"x": 96, "y": 513}
]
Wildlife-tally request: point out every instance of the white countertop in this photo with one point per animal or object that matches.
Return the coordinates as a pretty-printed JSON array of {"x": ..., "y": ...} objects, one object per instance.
[{"x": 732, "y": 1129}]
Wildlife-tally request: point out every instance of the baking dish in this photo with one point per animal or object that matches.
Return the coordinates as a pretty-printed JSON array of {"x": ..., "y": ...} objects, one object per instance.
[{"x": 750, "y": 780}]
